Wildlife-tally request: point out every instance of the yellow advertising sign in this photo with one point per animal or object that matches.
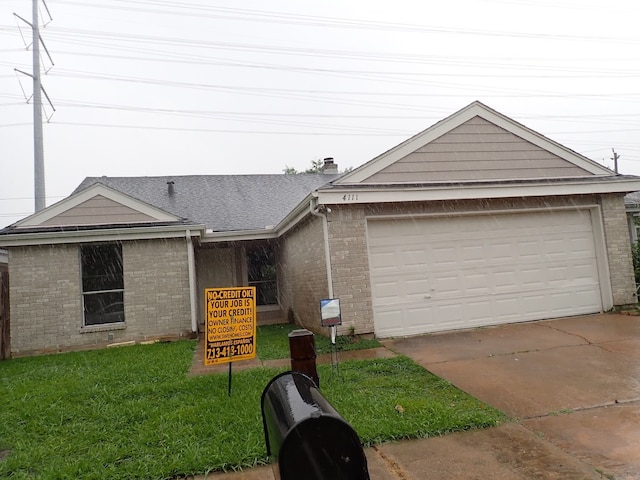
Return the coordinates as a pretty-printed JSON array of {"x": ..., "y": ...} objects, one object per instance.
[{"x": 230, "y": 324}]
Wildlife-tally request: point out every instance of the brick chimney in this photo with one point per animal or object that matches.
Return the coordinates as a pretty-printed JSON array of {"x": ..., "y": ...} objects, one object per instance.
[{"x": 328, "y": 166}]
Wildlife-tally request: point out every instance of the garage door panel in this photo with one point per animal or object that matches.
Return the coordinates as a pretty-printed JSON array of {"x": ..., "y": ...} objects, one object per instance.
[
  {"x": 453, "y": 312},
  {"x": 383, "y": 260},
  {"x": 416, "y": 258},
  {"x": 580, "y": 248},
  {"x": 582, "y": 270},
  {"x": 388, "y": 289},
  {"x": 466, "y": 271},
  {"x": 446, "y": 283},
  {"x": 560, "y": 301},
  {"x": 500, "y": 251},
  {"x": 415, "y": 315},
  {"x": 533, "y": 304},
  {"x": 528, "y": 249},
  {"x": 392, "y": 320},
  {"x": 505, "y": 308},
  {"x": 385, "y": 290},
  {"x": 504, "y": 280},
  {"x": 481, "y": 310},
  {"x": 554, "y": 247},
  {"x": 477, "y": 284},
  {"x": 472, "y": 254},
  {"x": 416, "y": 288},
  {"x": 442, "y": 256},
  {"x": 584, "y": 299},
  {"x": 557, "y": 275}
]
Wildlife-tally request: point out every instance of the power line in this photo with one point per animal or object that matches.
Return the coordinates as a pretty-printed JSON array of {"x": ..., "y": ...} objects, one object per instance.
[
  {"x": 263, "y": 16},
  {"x": 547, "y": 69},
  {"x": 371, "y": 133}
]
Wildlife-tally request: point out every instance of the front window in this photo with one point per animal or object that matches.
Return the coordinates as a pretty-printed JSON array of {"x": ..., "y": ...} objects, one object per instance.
[
  {"x": 261, "y": 265},
  {"x": 102, "y": 284}
]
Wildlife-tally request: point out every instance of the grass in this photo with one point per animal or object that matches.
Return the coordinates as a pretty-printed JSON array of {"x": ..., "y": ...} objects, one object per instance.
[
  {"x": 133, "y": 412},
  {"x": 273, "y": 342}
]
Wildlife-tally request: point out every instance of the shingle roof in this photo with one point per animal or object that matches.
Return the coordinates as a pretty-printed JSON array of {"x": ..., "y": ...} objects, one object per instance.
[{"x": 220, "y": 202}]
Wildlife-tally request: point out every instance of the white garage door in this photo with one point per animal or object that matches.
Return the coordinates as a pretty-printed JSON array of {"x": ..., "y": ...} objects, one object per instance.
[{"x": 434, "y": 274}]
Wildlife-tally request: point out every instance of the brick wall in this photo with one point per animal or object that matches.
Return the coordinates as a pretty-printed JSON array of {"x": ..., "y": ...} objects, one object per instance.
[
  {"x": 350, "y": 266},
  {"x": 302, "y": 273},
  {"x": 618, "y": 249},
  {"x": 46, "y": 305},
  {"x": 46, "y": 296},
  {"x": 156, "y": 288}
]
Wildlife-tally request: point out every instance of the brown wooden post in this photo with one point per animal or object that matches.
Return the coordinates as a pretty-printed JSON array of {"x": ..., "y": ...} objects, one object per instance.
[
  {"x": 302, "y": 346},
  {"x": 5, "y": 350}
]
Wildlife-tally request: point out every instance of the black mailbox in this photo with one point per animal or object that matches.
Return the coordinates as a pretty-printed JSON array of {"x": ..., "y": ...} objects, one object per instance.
[{"x": 306, "y": 435}]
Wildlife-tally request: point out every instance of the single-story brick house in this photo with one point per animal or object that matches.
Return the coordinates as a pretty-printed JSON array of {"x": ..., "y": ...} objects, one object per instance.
[{"x": 477, "y": 220}]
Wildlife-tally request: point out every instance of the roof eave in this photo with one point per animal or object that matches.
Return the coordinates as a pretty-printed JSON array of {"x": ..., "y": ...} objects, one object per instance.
[
  {"x": 101, "y": 234},
  {"x": 238, "y": 236},
  {"x": 354, "y": 194}
]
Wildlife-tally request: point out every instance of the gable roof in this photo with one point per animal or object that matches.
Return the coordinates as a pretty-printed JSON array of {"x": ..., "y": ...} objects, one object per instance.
[
  {"x": 220, "y": 202},
  {"x": 244, "y": 207},
  {"x": 87, "y": 207},
  {"x": 472, "y": 147}
]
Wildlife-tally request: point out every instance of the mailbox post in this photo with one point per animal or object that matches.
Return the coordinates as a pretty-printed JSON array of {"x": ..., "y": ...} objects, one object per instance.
[{"x": 302, "y": 346}]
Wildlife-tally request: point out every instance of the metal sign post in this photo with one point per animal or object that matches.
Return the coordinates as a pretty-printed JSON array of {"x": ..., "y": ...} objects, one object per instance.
[
  {"x": 333, "y": 349},
  {"x": 230, "y": 325},
  {"x": 230, "y": 364},
  {"x": 330, "y": 317}
]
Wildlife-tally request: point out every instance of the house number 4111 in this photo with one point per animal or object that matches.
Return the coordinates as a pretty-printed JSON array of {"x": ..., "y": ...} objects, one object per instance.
[{"x": 350, "y": 197}]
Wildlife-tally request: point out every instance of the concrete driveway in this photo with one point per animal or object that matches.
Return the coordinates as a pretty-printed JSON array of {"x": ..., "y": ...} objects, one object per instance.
[{"x": 572, "y": 385}]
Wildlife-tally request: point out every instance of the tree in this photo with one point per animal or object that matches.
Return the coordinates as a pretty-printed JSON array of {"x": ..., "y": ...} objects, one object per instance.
[{"x": 316, "y": 167}]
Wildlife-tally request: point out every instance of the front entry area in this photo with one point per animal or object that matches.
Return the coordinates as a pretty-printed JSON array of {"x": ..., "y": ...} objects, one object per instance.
[{"x": 439, "y": 273}]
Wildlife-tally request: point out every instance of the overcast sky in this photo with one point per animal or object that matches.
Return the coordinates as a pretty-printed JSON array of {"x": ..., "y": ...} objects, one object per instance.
[{"x": 160, "y": 87}]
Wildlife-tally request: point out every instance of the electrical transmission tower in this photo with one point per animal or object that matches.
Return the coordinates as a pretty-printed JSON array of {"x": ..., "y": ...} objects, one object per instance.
[{"x": 38, "y": 90}]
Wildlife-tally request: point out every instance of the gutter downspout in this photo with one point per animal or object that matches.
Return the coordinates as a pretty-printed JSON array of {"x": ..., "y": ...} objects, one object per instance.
[
  {"x": 325, "y": 233},
  {"x": 192, "y": 282}
]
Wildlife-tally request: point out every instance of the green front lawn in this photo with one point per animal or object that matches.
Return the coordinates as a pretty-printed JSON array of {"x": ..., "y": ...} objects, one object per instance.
[
  {"x": 132, "y": 412},
  {"x": 273, "y": 342}
]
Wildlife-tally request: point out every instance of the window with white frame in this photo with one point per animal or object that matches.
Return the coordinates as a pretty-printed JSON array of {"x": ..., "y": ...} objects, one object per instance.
[{"x": 102, "y": 284}]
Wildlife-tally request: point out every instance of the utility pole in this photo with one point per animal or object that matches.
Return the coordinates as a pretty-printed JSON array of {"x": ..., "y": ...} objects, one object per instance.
[
  {"x": 615, "y": 160},
  {"x": 38, "y": 148}
]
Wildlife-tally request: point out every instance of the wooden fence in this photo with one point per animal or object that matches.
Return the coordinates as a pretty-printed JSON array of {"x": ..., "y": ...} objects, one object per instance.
[{"x": 5, "y": 349}]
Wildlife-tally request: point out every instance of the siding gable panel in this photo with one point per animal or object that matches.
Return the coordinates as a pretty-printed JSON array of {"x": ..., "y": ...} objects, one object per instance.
[
  {"x": 97, "y": 205},
  {"x": 477, "y": 150},
  {"x": 98, "y": 210}
]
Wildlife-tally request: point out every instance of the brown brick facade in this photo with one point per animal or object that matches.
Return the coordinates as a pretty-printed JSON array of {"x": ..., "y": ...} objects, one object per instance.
[
  {"x": 46, "y": 304},
  {"x": 46, "y": 296},
  {"x": 350, "y": 266},
  {"x": 302, "y": 273},
  {"x": 156, "y": 288},
  {"x": 616, "y": 232}
]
